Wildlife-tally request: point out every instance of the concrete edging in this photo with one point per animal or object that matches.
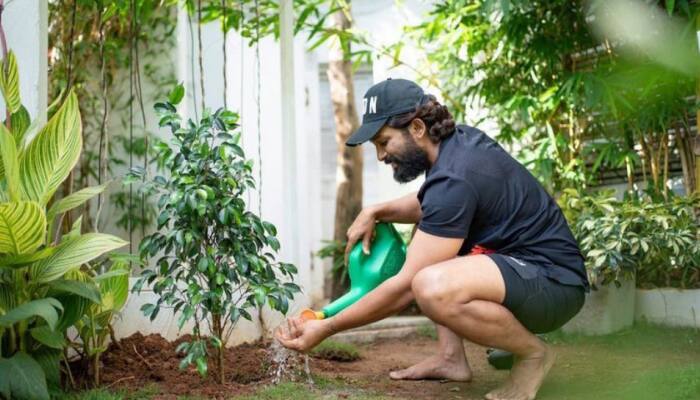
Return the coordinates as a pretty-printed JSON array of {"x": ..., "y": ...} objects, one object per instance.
[{"x": 668, "y": 306}]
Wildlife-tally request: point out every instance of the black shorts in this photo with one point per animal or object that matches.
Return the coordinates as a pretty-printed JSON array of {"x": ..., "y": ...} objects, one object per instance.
[{"x": 541, "y": 304}]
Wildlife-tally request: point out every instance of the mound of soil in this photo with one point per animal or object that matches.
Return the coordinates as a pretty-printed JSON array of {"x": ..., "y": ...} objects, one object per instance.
[{"x": 138, "y": 361}]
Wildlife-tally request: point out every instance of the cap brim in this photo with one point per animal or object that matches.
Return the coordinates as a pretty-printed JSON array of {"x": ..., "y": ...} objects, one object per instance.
[{"x": 366, "y": 132}]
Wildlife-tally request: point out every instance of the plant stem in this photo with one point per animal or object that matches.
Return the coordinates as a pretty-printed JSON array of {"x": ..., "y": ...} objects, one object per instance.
[{"x": 199, "y": 42}]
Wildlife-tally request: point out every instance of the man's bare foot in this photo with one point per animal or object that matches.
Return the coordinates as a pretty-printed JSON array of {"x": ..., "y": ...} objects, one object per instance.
[
  {"x": 437, "y": 367},
  {"x": 525, "y": 377}
]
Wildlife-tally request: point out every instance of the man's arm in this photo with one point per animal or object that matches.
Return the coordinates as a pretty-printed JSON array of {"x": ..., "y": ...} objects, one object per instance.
[
  {"x": 405, "y": 209},
  {"x": 385, "y": 300},
  {"x": 395, "y": 293}
]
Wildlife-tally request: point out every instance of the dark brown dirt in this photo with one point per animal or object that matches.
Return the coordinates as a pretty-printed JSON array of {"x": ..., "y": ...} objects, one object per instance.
[{"x": 139, "y": 361}]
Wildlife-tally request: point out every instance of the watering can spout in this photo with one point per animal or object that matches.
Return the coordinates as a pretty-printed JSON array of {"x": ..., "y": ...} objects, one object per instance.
[
  {"x": 367, "y": 271},
  {"x": 309, "y": 314}
]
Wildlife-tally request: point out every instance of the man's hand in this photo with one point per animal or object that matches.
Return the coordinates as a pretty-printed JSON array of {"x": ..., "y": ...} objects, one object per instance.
[
  {"x": 303, "y": 335},
  {"x": 361, "y": 229}
]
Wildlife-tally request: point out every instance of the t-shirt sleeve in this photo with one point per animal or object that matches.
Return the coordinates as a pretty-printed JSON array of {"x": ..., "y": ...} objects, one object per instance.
[{"x": 448, "y": 207}]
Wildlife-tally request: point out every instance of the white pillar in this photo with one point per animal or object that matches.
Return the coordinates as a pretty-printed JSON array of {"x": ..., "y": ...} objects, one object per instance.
[
  {"x": 289, "y": 142},
  {"x": 26, "y": 29}
]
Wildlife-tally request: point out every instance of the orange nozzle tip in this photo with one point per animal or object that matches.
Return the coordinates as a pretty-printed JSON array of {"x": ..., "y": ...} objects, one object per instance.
[{"x": 309, "y": 314}]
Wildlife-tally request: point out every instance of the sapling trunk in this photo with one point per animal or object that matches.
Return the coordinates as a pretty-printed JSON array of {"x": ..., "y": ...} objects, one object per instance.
[{"x": 218, "y": 331}]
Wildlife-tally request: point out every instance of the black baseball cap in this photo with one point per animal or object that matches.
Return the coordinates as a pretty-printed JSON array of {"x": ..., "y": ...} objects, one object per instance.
[{"x": 383, "y": 101}]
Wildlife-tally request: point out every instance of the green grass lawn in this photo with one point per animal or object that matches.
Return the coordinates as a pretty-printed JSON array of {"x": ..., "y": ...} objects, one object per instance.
[{"x": 646, "y": 362}]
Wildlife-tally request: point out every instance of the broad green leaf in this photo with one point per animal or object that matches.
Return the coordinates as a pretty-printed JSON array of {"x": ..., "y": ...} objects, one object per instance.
[
  {"x": 21, "y": 377},
  {"x": 116, "y": 287},
  {"x": 7, "y": 297},
  {"x": 10, "y": 163},
  {"x": 72, "y": 254},
  {"x": 86, "y": 290},
  {"x": 20, "y": 121},
  {"x": 9, "y": 83},
  {"x": 22, "y": 260},
  {"x": 46, "y": 336},
  {"x": 49, "y": 360},
  {"x": 22, "y": 227},
  {"x": 44, "y": 308},
  {"x": 74, "y": 200},
  {"x": 74, "y": 308},
  {"x": 51, "y": 155}
]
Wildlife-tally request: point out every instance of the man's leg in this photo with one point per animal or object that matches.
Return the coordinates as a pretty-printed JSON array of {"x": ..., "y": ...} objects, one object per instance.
[
  {"x": 465, "y": 295},
  {"x": 450, "y": 362}
]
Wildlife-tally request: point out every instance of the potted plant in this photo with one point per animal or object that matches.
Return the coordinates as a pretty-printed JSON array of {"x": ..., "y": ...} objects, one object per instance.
[
  {"x": 668, "y": 277},
  {"x": 611, "y": 248},
  {"x": 216, "y": 258}
]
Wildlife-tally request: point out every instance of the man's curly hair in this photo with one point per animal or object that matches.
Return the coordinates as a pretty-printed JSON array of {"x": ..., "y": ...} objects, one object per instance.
[{"x": 436, "y": 117}]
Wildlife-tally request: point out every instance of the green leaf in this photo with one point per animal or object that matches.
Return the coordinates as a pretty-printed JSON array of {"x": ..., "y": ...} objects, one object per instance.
[
  {"x": 86, "y": 290},
  {"x": 46, "y": 336},
  {"x": 22, "y": 227},
  {"x": 53, "y": 153},
  {"x": 20, "y": 121},
  {"x": 201, "y": 366},
  {"x": 73, "y": 253},
  {"x": 44, "y": 308},
  {"x": 10, "y": 163},
  {"x": 74, "y": 200},
  {"x": 21, "y": 377},
  {"x": 115, "y": 287},
  {"x": 49, "y": 360},
  {"x": 9, "y": 83},
  {"x": 176, "y": 95},
  {"x": 25, "y": 259},
  {"x": 670, "y": 5},
  {"x": 74, "y": 308}
]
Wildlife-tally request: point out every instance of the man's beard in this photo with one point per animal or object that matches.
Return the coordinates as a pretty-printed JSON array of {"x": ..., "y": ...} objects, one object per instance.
[{"x": 412, "y": 162}]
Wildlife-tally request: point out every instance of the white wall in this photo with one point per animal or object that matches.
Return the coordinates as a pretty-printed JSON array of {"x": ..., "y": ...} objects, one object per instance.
[{"x": 20, "y": 18}]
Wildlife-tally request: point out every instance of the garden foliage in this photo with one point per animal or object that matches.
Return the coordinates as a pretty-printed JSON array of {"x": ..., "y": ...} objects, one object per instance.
[
  {"x": 43, "y": 290},
  {"x": 658, "y": 243},
  {"x": 215, "y": 258}
]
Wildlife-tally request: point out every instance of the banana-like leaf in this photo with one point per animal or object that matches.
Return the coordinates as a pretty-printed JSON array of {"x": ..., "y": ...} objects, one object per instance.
[
  {"x": 22, "y": 260},
  {"x": 72, "y": 254},
  {"x": 7, "y": 297},
  {"x": 10, "y": 163},
  {"x": 115, "y": 288},
  {"x": 44, "y": 308},
  {"x": 74, "y": 200},
  {"x": 75, "y": 308},
  {"x": 51, "y": 155},
  {"x": 20, "y": 121},
  {"x": 48, "y": 337},
  {"x": 9, "y": 83},
  {"x": 50, "y": 360},
  {"x": 22, "y": 227},
  {"x": 21, "y": 377},
  {"x": 87, "y": 290}
]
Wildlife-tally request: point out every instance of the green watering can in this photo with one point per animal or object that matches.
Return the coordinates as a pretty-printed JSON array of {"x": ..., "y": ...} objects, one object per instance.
[{"x": 386, "y": 257}]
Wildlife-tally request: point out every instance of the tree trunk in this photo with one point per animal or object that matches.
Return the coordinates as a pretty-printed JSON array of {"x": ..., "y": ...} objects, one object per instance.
[
  {"x": 218, "y": 332},
  {"x": 348, "y": 201}
]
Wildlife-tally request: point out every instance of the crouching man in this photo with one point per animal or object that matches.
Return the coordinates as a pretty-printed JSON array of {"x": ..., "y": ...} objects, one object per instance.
[{"x": 474, "y": 193}]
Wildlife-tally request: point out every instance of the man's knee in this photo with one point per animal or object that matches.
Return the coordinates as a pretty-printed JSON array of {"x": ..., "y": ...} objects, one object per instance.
[{"x": 429, "y": 287}]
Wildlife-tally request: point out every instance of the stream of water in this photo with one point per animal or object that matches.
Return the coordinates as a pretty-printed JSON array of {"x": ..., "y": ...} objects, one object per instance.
[{"x": 285, "y": 361}]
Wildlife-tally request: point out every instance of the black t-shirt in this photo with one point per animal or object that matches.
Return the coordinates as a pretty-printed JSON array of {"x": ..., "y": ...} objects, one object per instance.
[{"x": 477, "y": 191}]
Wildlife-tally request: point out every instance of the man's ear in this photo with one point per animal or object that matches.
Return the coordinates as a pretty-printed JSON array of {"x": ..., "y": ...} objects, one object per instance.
[{"x": 418, "y": 129}]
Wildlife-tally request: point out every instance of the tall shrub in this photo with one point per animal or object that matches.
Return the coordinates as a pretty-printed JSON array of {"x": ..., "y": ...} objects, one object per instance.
[{"x": 216, "y": 258}]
